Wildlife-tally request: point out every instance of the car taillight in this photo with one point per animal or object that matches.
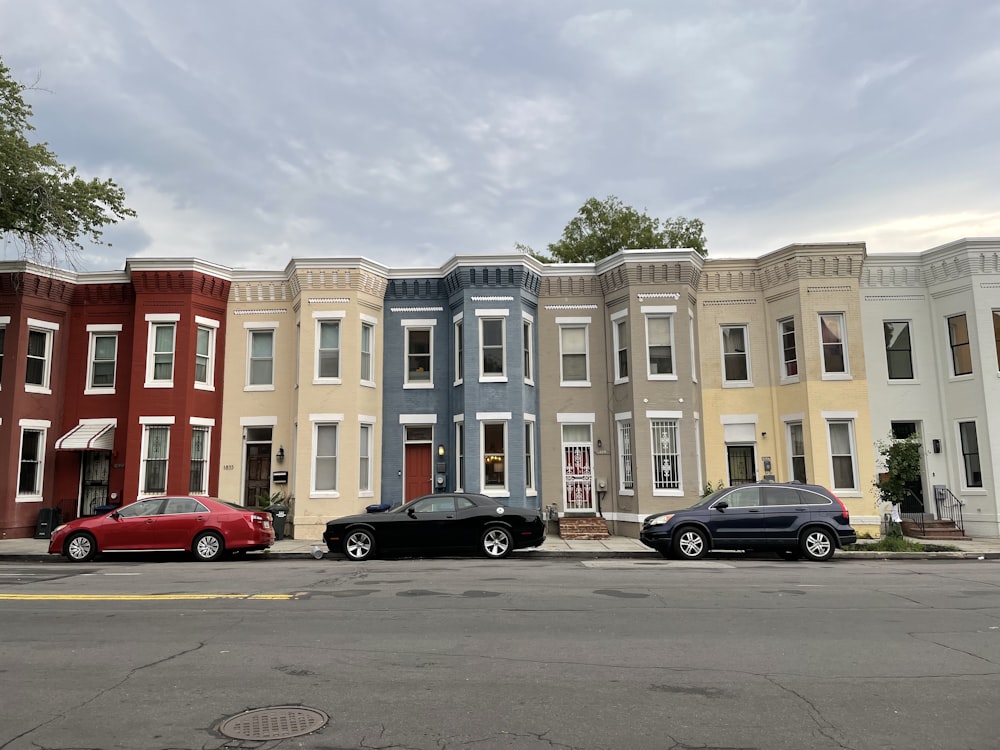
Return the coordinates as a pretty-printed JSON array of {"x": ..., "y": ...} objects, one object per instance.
[
  {"x": 844, "y": 513},
  {"x": 255, "y": 517}
]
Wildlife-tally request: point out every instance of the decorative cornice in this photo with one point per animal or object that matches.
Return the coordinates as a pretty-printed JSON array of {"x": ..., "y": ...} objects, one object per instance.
[
  {"x": 570, "y": 307},
  {"x": 491, "y": 299},
  {"x": 641, "y": 296},
  {"x": 415, "y": 309},
  {"x": 262, "y": 311},
  {"x": 727, "y": 302},
  {"x": 329, "y": 300}
]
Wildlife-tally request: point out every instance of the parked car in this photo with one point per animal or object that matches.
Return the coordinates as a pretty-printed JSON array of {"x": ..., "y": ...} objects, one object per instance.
[
  {"x": 204, "y": 526},
  {"x": 796, "y": 520},
  {"x": 435, "y": 523}
]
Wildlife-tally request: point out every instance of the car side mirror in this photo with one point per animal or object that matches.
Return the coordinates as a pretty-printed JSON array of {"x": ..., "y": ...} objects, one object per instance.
[
  {"x": 721, "y": 505},
  {"x": 411, "y": 513},
  {"x": 116, "y": 515}
]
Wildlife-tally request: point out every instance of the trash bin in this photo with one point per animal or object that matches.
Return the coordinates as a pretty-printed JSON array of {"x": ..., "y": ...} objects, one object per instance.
[
  {"x": 48, "y": 519},
  {"x": 100, "y": 510},
  {"x": 279, "y": 514}
]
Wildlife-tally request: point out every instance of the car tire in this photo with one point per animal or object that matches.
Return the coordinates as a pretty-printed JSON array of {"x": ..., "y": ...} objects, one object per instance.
[
  {"x": 690, "y": 543},
  {"x": 790, "y": 554},
  {"x": 80, "y": 547},
  {"x": 496, "y": 542},
  {"x": 208, "y": 547},
  {"x": 817, "y": 544},
  {"x": 359, "y": 545}
]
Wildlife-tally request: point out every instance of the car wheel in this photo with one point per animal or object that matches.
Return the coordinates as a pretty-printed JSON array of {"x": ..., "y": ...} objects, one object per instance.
[
  {"x": 818, "y": 545},
  {"x": 80, "y": 547},
  {"x": 691, "y": 543},
  {"x": 497, "y": 542},
  {"x": 359, "y": 545},
  {"x": 207, "y": 547},
  {"x": 789, "y": 554}
]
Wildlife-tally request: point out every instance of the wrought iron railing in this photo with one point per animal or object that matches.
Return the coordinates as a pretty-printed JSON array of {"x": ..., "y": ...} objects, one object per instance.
[
  {"x": 918, "y": 517},
  {"x": 949, "y": 507}
]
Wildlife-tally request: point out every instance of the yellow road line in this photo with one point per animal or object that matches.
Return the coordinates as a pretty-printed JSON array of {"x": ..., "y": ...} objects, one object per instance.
[{"x": 138, "y": 597}]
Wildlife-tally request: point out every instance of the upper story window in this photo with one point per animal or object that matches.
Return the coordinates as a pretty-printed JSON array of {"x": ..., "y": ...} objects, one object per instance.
[
  {"x": 38, "y": 367},
  {"x": 367, "y": 349},
  {"x": 898, "y": 351},
  {"x": 260, "y": 356},
  {"x": 620, "y": 334},
  {"x": 160, "y": 343},
  {"x": 660, "y": 363},
  {"x": 527, "y": 348},
  {"x": 327, "y": 351},
  {"x": 735, "y": 355},
  {"x": 103, "y": 358},
  {"x": 573, "y": 351},
  {"x": 4, "y": 320},
  {"x": 204, "y": 353},
  {"x": 419, "y": 354},
  {"x": 961, "y": 350},
  {"x": 833, "y": 339},
  {"x": 459, "y": 348},
  {"x": 493, "y": 352},
  {"x": 789, "y": 351},
  {"x": 973, "y": 473}
]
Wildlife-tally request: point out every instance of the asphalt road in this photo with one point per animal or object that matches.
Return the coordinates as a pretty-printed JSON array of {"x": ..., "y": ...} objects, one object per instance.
[{"x": 449, "y": 654}]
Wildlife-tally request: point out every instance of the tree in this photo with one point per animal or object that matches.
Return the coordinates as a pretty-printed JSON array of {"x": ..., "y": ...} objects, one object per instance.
[
  {"x": 602, "y": 228},
  {"x": 46, "y": 209}
]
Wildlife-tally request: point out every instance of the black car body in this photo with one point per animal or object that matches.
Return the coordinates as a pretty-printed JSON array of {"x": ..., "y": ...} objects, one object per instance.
[
  {"x": 436, "y": 523},
  {"x": 796, "y": 520}
]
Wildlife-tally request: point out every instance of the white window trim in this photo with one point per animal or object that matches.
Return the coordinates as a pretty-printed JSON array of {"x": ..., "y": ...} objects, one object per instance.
[
  {"x": 49, "y": 329},
  {"x": 419, "y": 324},
  {"x": 369, "y": 422},
  {"x": 485, "y": 419},
  {"x": 4, "y": 322},
  {"x": 95, "y": 331},
  {"x": 849, "y": 418},
  {"x": 531, "y": 490},
  {"x": 254, "y": 327},
  {"x": 324, "y": 420},
  {"x": 621, "y": 419},
  {"x": 952, "y": 376},
  {"x": 619, "y": 317},
  {"x": 212, "y": 326},
  {"x": 584, "y": 323},
  {"x": 459, "y": 349},
  {"x": 146, "y": 422},
  {"x": 675, "y": 416},
  {"x": 370, "y": 322},
  {"x": 43, "y": 426},
  {"x": 782, "y": 377},
  {"x": 329, "y": 316},
  {"x": 459, "y": 422},
  {"x": 694, "y": 360},
  {"x": 748, "y": 382},
  {"x": 200, "y": 423},
  {"x": 660, "y": 311},
  {"x": 529, "y": 371},
  {"x": 502, "y": 315},
  {"x": 963, "y": 479},
  {"x": 152, "y": 321},
  {"x": 915, "y": 380},
  {"x": 846, "y": 374}
]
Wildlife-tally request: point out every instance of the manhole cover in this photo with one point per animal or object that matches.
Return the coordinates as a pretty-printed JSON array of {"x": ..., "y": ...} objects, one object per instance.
[{"x": 275, "y": 723}]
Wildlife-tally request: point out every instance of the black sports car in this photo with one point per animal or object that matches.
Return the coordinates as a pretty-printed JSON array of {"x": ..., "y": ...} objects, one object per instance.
[{"x": 434, "y": 523}]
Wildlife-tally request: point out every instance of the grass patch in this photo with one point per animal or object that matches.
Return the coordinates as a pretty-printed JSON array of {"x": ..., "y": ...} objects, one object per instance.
[{"x": 893, "y": 543}]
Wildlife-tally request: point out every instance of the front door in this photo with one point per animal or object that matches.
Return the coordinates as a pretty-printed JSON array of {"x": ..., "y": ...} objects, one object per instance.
[
  {"x": 913, "y": 502},
  {"x": 417, "y": 481},
  {"x": 95, "y": 468},
  {"x": 578, "y": 479},
  {"x": 258, "y": 479},
  {"x": 742, "y": 464}
]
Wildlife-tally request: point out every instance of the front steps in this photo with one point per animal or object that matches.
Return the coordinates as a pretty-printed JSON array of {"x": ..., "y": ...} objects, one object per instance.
[{"x": 586, "y": 527}]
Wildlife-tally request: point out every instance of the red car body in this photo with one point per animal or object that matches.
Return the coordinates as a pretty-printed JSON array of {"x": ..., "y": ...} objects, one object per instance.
[{"x": 205, "y": 526}]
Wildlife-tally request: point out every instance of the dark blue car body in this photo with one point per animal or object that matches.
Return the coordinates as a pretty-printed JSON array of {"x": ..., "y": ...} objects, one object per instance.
[{"x": 795, "y": 520}]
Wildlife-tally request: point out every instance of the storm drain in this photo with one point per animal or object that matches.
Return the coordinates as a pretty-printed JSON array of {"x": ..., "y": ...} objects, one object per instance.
[{"x": 275, "y": 723}]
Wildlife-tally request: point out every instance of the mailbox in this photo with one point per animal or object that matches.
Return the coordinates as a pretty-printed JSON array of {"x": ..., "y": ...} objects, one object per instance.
[{"x": 279, "y": 477}]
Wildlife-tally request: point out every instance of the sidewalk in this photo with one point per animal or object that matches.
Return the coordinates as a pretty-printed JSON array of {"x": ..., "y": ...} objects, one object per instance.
[{"x": 27, "y": 550}]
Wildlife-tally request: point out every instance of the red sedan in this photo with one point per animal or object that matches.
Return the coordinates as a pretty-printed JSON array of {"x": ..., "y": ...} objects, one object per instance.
[{"x": 204, "y": 526}]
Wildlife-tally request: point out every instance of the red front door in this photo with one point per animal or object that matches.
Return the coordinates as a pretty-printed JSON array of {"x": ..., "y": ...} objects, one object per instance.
[{"x": 417, "y": 481}]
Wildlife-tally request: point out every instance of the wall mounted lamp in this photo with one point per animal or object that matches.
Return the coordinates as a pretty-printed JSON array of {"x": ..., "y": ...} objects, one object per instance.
[
  {"x": 281, "y": 454},
  {"x": 441, "y": 449},
  {"x": 600, "y": 444}
]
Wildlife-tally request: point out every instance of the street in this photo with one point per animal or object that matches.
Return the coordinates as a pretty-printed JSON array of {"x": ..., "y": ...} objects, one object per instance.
[{"x": 447, "y": 653}]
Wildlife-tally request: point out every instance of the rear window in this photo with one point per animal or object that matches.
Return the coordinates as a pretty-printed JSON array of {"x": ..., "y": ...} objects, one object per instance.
[
  {"x": 795, "y": 496},
  {"x": 815, "y": 498}
]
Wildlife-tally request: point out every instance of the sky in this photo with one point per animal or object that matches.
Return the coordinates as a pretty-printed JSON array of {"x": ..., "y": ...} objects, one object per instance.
[{"x": 251, "y": 132}]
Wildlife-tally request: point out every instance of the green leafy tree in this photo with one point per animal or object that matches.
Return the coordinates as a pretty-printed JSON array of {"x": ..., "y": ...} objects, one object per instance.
[
  {"x": 602, "y": 228},
  {"x": 901, "y": 460},
  {"x": 46, "y": 209}
]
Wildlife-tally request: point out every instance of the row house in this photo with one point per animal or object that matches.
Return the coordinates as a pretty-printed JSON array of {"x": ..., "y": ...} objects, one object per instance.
[{"x": 611, "y": 390}]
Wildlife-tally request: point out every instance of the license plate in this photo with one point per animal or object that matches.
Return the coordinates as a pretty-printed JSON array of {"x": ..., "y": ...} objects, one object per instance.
[{"x": 267, "y": 524}]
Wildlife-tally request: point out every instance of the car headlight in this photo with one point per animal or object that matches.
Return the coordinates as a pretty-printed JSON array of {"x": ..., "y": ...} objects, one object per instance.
[
  {"x": 60, "y": 527},
  {"x": 657, "y": 520}
]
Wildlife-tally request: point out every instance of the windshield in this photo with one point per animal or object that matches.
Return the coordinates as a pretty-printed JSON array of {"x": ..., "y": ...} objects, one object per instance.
[{"x": 709, "y": 499}]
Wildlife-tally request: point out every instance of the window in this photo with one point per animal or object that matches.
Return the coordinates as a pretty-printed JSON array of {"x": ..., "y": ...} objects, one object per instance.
[
  {"x": 898, "y": 353},
  {"x": 328, "y": 351},
  {"x": 160, "y": 352},
  {"x": 973, "y": 474},
  {"x": 833, "y": 340},
  {"x": 494, "y": 455},
  {"x": 491, "y": 337},
  {"x": 459, "y": 456},
  {"x": 842, "y": 454},
  {"x": 39, "y": 359},
  {"x": 626, "y": 469},
  {"x": 198, "y": 484},
  {"x": 418, "y": 357},
  {"x": 574, "y": 367},
  {"x": 325, "y": 472},
  {"x": 103, "y": 355},
  {"x": 367, "y": 342},
  {"x": 666, "y": 454},
  {"x": 660, "y": 346},
  {"x": 260, "y": 365},
  {"x": 621, "y": 342},
  {"x": 31, "y": 468},
  {"x": 365, "y": 459},
  {"x": 735, "y": 355},
  {"x": 459, "y": 351},
  {"x": 961, "y": 351},
  {"x": 155, "y": 451},
  {"x": 996, "y": 337},
  {"x": 204, "y": 354},
  {"x": 529, "y": 457},
  {"x": 796, "y": 452},
  {"x": 789, "y": 354},
  {"x": 526, "y": 337}
]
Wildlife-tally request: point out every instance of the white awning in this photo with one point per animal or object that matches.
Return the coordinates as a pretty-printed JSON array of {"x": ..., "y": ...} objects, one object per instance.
[{"x": 89, "y": 435}]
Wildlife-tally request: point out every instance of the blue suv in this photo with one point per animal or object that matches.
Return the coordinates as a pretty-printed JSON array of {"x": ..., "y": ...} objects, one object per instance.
[{"x": 795, "y": 520}]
